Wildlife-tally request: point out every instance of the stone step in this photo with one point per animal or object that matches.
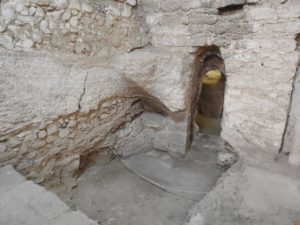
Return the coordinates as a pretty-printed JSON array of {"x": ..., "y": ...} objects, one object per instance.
[{"x": 24, "y": 202}]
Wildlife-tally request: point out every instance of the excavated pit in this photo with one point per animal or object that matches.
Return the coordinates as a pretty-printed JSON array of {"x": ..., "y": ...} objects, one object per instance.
[
  {"x": 151, "y": 187},
  {"x": 108, "y": 104}
]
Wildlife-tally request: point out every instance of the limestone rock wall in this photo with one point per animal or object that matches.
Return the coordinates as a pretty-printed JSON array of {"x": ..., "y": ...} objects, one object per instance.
[
  {"x": 52, "y": 115},
  {"x": 57, "y": 149},
  {"x": 35, "y": 86},
  {"x": 162, "y": 80},
  {"x": 56, "y": 110},
  {"x": 164, "y": 75},
  {"x": 57, "y": 107},
  {"x": 260, "y": 70},
  {"x": 257, "y": 42},
  {"x": 72, "y": 76},
  {"x": 74, "y": 26},
  {"x": 152, "y": 130}
]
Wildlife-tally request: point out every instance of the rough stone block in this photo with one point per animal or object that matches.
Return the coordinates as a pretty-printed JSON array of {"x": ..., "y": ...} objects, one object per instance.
[
  {"x": 33, "y": 199},
  {"x": 28, "y": 204},
  {"x": 158, "y": 75},
  {"x": 55, "y": 92}
]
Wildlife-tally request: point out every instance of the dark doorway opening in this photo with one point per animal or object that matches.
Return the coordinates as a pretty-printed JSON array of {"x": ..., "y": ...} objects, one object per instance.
[{"x": 210, "y": 95}]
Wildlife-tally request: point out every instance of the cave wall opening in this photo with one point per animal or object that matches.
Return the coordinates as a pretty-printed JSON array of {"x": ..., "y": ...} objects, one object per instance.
[{"x": 210, "y": 99}]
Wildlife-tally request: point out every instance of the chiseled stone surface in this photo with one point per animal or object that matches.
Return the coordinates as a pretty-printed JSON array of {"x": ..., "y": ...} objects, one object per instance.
[
  {"x": 152, "y": 130},
  {"x": 56, "y": 113},
  {"x": 161, "y": 74},
  {"x": 46, "y": 86},
  {"x": 258, "y": 46},
  {"x": 32, "y": 93},
  {"x": 23, "y": 202}
]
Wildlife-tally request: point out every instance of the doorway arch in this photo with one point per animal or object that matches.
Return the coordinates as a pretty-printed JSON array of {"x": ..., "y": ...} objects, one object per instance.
[{"x": 211, "y": 81}]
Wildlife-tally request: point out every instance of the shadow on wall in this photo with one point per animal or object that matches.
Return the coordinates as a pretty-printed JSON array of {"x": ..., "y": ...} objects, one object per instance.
[{"x": 210, "y": 81}]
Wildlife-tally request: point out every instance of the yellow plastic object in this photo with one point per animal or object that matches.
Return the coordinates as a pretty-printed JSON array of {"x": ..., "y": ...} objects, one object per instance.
[{"x": 212, "y": 77}]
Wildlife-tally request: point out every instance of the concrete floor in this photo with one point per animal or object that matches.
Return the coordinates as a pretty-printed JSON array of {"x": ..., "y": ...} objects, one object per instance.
[{"x": 110, "y": 193}]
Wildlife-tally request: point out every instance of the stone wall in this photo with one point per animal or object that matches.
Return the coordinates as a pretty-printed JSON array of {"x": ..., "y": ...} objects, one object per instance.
[
  {"x": 57, "y": 107},
  {"x": 260, "y": 70},
  {"x": 73, "y": 74},
  {"x": 257, "y": 42},
  {"x": 153, "y": 130},
  {"x": 52, "y": 115},
  {"x": 74, "y": 26},
  {"x": 55, "y": 110},
  {"x": 162, "y": 80},
  {"x": 57, "y": 148}
]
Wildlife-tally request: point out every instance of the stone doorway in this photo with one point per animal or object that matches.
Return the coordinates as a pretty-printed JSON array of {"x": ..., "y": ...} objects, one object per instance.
[{"x": 210, "y": 95}]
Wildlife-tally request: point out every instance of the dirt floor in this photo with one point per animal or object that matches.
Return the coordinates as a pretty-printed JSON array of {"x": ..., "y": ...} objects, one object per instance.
[
  {"x": 154, "y": 187},
  {"x": 148, "y": 188}
]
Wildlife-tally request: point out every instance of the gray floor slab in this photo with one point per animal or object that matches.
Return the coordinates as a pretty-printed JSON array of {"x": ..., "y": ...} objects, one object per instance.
[
  {"x": 190, "y": 177},
  {"x": 112, "y": 194},
  {"x": 9, "y": 178},
  {"x": 26, "y": 203}
]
